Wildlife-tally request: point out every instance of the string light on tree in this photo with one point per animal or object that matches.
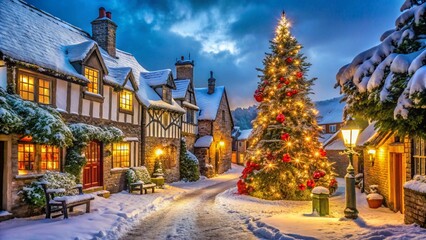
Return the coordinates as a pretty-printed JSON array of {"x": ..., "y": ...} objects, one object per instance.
[{"x": 285, "y": 160}]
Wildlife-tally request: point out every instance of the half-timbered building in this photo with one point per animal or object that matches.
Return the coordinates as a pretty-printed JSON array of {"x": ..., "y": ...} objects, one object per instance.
[
  {"x": 213, "y": 146},
  {"x": 51, "y": 62},
  {"x": 185, "y": 96}
]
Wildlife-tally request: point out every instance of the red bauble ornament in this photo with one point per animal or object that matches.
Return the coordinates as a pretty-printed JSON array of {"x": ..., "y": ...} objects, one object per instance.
[
  {"x": 283, "y": 79},
  {"x": 270, "y": 156},
  {"x": 322, "y": 152},
  {"x": 289, "y": 94},
  {"x": 258, "y": 96},
  {"x": 286, "y": 82},
  {"x": 242, "y": 187},
  {"x": 266, "y": 82},
  {"x": 280, "y": 118},
  {"x": 302, "y": 187},
  {"x": 299, "y": 74},
  {"x": 316, "y": 175},
  {"x": 286, "y": 158},
  {"x": 294, "y": 92},
  {"x": 322, "y": 173},
  {"x": 279, "y": 86},
  {"x": 289, "y": 60},
  {"x": 285, "y": 137},
  {"x": 310, "y": 183},
  {"x": 333, "y": 182}
]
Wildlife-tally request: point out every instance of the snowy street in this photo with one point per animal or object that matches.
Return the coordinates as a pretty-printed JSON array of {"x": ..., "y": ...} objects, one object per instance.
[{"x": 194, "y": 216}]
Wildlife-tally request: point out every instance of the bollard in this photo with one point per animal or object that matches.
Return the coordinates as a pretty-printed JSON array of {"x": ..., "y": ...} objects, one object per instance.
[{"x": 320, "y": 202}]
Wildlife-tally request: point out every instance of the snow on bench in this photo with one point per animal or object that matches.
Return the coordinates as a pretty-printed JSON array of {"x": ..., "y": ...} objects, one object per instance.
[{"x": 74, "y": 199}]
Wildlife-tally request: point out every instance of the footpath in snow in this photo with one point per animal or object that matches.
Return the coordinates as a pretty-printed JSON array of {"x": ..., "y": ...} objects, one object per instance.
[
  {"x": 109, "y": 218},
  {"x": 294, "y": 219}
]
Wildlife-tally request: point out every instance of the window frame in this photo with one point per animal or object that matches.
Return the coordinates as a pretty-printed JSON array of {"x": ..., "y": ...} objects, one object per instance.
[
  {"x": 114, "y": 156},
  {"x": 37, "y": 155},
  {"x": 36, "y": 87},
  {"x": 120, "y": 95},
  {"x": 332, "y": 128},
  {"x": 52, "y": 149},
  {"x": 418, "y": 157},
  {"x": 99, "y": 85}
]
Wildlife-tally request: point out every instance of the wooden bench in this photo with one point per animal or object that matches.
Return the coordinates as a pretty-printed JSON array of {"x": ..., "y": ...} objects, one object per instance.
[
  {"x": 56, "y": 203},
  {"x": 141, "y": 185}
]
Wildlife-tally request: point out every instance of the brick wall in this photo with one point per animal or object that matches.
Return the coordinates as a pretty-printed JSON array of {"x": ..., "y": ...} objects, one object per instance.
[
  {"x": 415, "y": 207},
  {"x": 170, "y": 159}
]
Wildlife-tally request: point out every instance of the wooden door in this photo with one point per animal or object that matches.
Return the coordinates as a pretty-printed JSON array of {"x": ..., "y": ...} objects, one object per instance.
[
  {"x": 396, "y": 182},
  {"x": 2, "y": 168},
  {"x": 92, "y": 173}
]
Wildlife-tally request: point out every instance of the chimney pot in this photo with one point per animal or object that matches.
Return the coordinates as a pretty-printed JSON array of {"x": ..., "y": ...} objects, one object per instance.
[
  {"x": 108, "y": 15},
  {"x": 182, "y": 58},
  {"x": 101, "y": 12},
  {"x": 211, "y": 83}
]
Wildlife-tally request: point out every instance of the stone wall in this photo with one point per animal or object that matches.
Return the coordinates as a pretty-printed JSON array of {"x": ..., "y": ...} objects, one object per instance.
[
  {"x": 190, "y": 141},
  {"x": 170, "y": 158},
  {"x": 415, "y": 207},
  {"x": 204, "y": 128}
]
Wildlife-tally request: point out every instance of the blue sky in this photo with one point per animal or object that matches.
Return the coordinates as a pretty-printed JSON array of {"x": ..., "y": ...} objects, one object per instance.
[{"x": 231, "y": 37}]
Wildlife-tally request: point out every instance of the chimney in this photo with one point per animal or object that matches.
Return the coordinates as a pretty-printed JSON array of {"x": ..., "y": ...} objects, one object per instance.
[
  {"x": 212, "y": 83},
  {"x": 104, "y": 32},
  {"x": 185, "y": 69}
]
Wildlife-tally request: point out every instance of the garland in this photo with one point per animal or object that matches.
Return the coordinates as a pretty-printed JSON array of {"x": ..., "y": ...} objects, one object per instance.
[{"x": 83, "y": 134}]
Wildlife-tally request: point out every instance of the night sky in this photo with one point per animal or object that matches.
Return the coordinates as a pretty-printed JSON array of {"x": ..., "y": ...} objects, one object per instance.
[{"x": 231, "y": 37}]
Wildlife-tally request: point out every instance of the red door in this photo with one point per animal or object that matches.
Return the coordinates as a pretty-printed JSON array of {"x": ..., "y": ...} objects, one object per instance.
[{"x": 92, "y": 173}]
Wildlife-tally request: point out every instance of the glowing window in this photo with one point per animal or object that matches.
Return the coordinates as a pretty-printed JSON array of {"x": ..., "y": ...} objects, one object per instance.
[
  {"x": 44, "y": 91},
  {"x": 126, "y": 100},
  {"x": 93, "y": 76},
  {"x": 26, "y": 87},
  {"x": 26, "y": 157},
  {"x": 120, "y": 155},
  {"x": 49, "y": 159}
]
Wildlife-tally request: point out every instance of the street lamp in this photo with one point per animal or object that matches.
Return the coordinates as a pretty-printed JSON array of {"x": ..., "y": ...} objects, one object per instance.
[{"x": 350, "y": 133}]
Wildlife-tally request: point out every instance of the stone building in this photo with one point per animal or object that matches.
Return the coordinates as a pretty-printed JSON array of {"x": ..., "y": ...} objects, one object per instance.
[
  {"x": 213, "y": 148},
  {"x": 88, "y": 80},
  {"x": 184, "y": 95},
  {"x": 240, "y": 143}
]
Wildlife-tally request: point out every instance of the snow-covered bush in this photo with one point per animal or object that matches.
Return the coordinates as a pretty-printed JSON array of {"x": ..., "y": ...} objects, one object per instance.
[
  {"x": 138, "y": 174},
  {"x": 33, "y": 194},
  {"x": 44, "y": 124},
  {"x": 189, "y": 168},
  {"x": 131, "y": 176},
  {"x": 83, "y": 134}
]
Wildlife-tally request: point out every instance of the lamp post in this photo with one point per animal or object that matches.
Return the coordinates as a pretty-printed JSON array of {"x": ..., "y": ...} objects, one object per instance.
[{"x": 350, "y": 133}]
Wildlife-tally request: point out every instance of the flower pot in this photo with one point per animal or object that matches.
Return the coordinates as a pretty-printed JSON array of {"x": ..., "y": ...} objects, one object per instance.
[{"x": 375, "y": 203}]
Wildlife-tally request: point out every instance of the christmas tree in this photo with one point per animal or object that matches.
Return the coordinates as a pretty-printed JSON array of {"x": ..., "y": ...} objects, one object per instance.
[
  {"x": 189, "y": 170},
  {"x": 286, "y": 158},
  {"x": 386, "y": 83}
]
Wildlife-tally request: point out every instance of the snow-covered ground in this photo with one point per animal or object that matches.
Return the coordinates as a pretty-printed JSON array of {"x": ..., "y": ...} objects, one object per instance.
[
  {"x": 294, "y": 219},
  {"x": 110, "y": 218}
]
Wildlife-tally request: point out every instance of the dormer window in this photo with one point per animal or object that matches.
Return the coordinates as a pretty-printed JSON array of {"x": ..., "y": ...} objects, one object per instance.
[
  {"x": 93, "y": 76},
  {"x": 34, "y": 89},
  {"x": 126, "y": 101}
]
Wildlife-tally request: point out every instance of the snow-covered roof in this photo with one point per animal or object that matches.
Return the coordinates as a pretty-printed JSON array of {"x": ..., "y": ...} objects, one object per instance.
[
  {"x": 181, "y": 88},
  {"x": 204, "y": 142},
  {"x": 245, "y": 134},
  {"x": 324, "y": 137},
  {"x": 374, "y": 70},
  {"x": 208, "y": 103},
  {"x": 34, "y": 37},
  {"x": 156, "y": 78},
  {"x": 118, "y": 75},
  {"x": 336, "y": 144},
  {"x": 366, "y": 135},
  {"x": 330, "y": 111}
]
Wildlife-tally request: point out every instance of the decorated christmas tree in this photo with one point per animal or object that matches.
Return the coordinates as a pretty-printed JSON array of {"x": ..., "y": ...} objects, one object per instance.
[
  {"x": 386, "y": 83},
  {"x": 286, "y": 159}
]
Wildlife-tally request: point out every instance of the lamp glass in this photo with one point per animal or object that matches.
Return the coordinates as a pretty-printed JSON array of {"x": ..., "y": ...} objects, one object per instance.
[{"x": 159, "y": 152}]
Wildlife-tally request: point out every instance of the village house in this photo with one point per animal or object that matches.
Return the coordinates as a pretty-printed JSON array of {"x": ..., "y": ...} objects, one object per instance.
[
  {"x": 184, "y": 95},
  {"x": 240, "y": 144},
  {"x": 88, "y": 80},
  {"x": 213, "y": 147}
]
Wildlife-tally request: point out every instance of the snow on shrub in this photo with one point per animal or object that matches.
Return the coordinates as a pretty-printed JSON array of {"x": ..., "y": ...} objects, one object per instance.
[
  {"x": 189, "y": 168},
  {"x": 44, "y": 124},
  {"x": 33, "y": 194}
]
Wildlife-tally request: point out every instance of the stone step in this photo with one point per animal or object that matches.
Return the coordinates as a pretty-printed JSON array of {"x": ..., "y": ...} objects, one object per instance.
[{"x": 5, "y": 215}]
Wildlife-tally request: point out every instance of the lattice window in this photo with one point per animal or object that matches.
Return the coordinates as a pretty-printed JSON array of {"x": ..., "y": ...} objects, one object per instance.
[
  {"x": 49, "y": 159},
  {"x": 93, "y": 76},
  {"x": 419, "y": 157},
  {"x": 126, "y": 100},
  {"x": 44, "y": 91},
  {"x": 26, "y": 157},
  {"x": 332, "y": 128},
  {"x": 121, "y": 155},
  {"x": 26, "y": 87}
]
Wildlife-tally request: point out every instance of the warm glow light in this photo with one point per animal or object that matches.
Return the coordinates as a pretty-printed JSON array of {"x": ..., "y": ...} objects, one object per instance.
[
  {"x": 372, "y": 151},
  {"x": 350, "y": 133},
  {"x": 221, "y": 143},
  {"x": 159, "y": 152}
]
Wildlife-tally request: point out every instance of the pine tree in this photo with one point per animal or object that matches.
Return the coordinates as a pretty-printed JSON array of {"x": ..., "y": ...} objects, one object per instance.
[
  {"x": 286, "y": 158},
  {"x": 189, "y": 170},
  {"x": 385, "y": 83}
]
